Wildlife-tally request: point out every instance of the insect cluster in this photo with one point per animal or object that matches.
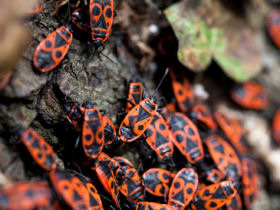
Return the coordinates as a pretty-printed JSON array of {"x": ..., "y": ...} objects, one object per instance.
[
  {"x": 96, "y": 20},
  {"x": 203, "y": 155},
  {"x": 217, "y": 169}
]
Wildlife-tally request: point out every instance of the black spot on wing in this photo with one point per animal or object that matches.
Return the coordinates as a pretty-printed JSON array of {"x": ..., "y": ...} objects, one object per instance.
[
  {"x": 44, "y": 59},
  {"x": 36, "y": 144},
  {"x": 108, "y": 12},
  {"x": 220, "y": 149},
  {"x": 49, "y": 160},
  {"x": 160, "y": 140},
  {"x": 59, "y": 41}
]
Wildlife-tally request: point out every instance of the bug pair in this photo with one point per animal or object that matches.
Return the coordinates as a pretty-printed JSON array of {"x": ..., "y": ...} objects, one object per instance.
[{"x": 51, "y": 51}]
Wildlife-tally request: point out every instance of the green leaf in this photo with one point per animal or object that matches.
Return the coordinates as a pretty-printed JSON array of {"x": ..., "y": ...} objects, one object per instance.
[{"x": 205, "y": 29}]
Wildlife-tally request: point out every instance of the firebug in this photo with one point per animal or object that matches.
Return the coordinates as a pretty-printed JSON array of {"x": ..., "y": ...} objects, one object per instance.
[
  {"x": 186, "y": 137},
  {"x": 139, "y": 117},
  {"x": 130, "y": 183},
  {"x": 250, "y": 95},
  {"x": 40, "y": 150},
  {"x": 214, "y": 196},
  {"x": 135, "y": 94},
  {"x": 70, "y": 188},
  {"x": 159, "y": 138},
  {"x": 183, "y": 187},
  {"x": 106, "y": 176},
  {"x": 80, "y": 18},
  {"x": 93, "y": 131},
  {"x": 94, "y": 197},
  {"x": 137, "y": 120},
  {"x": 224, "y": 156},
  {"x": 50, "y": 52},
  {"x": 101, "y": 19},
  {"x": 249, "y": 181},
  {"x": 75, "y": 115},
  {"x": 157, "y": 181},
  {"x": 203, "y": 115},
  {"x": 182, "y": 90},
  {"x": 233, "y": 131},
  {"x": 26, "y": 195}
]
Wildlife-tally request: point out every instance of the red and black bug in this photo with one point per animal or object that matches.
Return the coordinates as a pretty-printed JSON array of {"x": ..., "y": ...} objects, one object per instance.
[
  {"x": 157, "y": 181},
  {"x": 183, "y": 187},
  {"x": 250, "y": 95},
  {"x": 182, "y": 90},
  {"x": 26, "y": 195},
  {"x": 135, "y": 94},
  {"x": 202, "y": 114},
  {"x": 276, "y": 127},
  {"x": 93, "y": 137},
  {"x": 137, "y": 120},
  {"x": 80, "y": 18},
  {"x": 273, "y": 26},
  {"x": 50, "y": 52},
  {"x": 186, "y": 137},
  {"x": 139, "y": 117},
  {"x": 159, "y": 138},
  {"x": 233, "y": 131},
  {"x": 249, "y": 181},
  {"x": 130, "y": 182},
  {"x": 38, "y": 7},
  {"x": 106, "y": 176},
  {"x": 101, "y": 18},
  {"x": 75, "y": 115},
  {"x": 234, "y": 204},
  {"x": 94, "y": 198},
  {"x": 144, "y": 205},
  {"x": 224, "y": 156},
  {"x": 40, "y": 150},
  {"x": 214, "y": 196},
  {"x": 70, "y": 188}
]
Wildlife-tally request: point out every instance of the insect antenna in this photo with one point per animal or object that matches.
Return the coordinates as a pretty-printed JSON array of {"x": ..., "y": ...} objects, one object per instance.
[
  {"x": 160, "y": 82},
  {"x": 108, "y": 58}
]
